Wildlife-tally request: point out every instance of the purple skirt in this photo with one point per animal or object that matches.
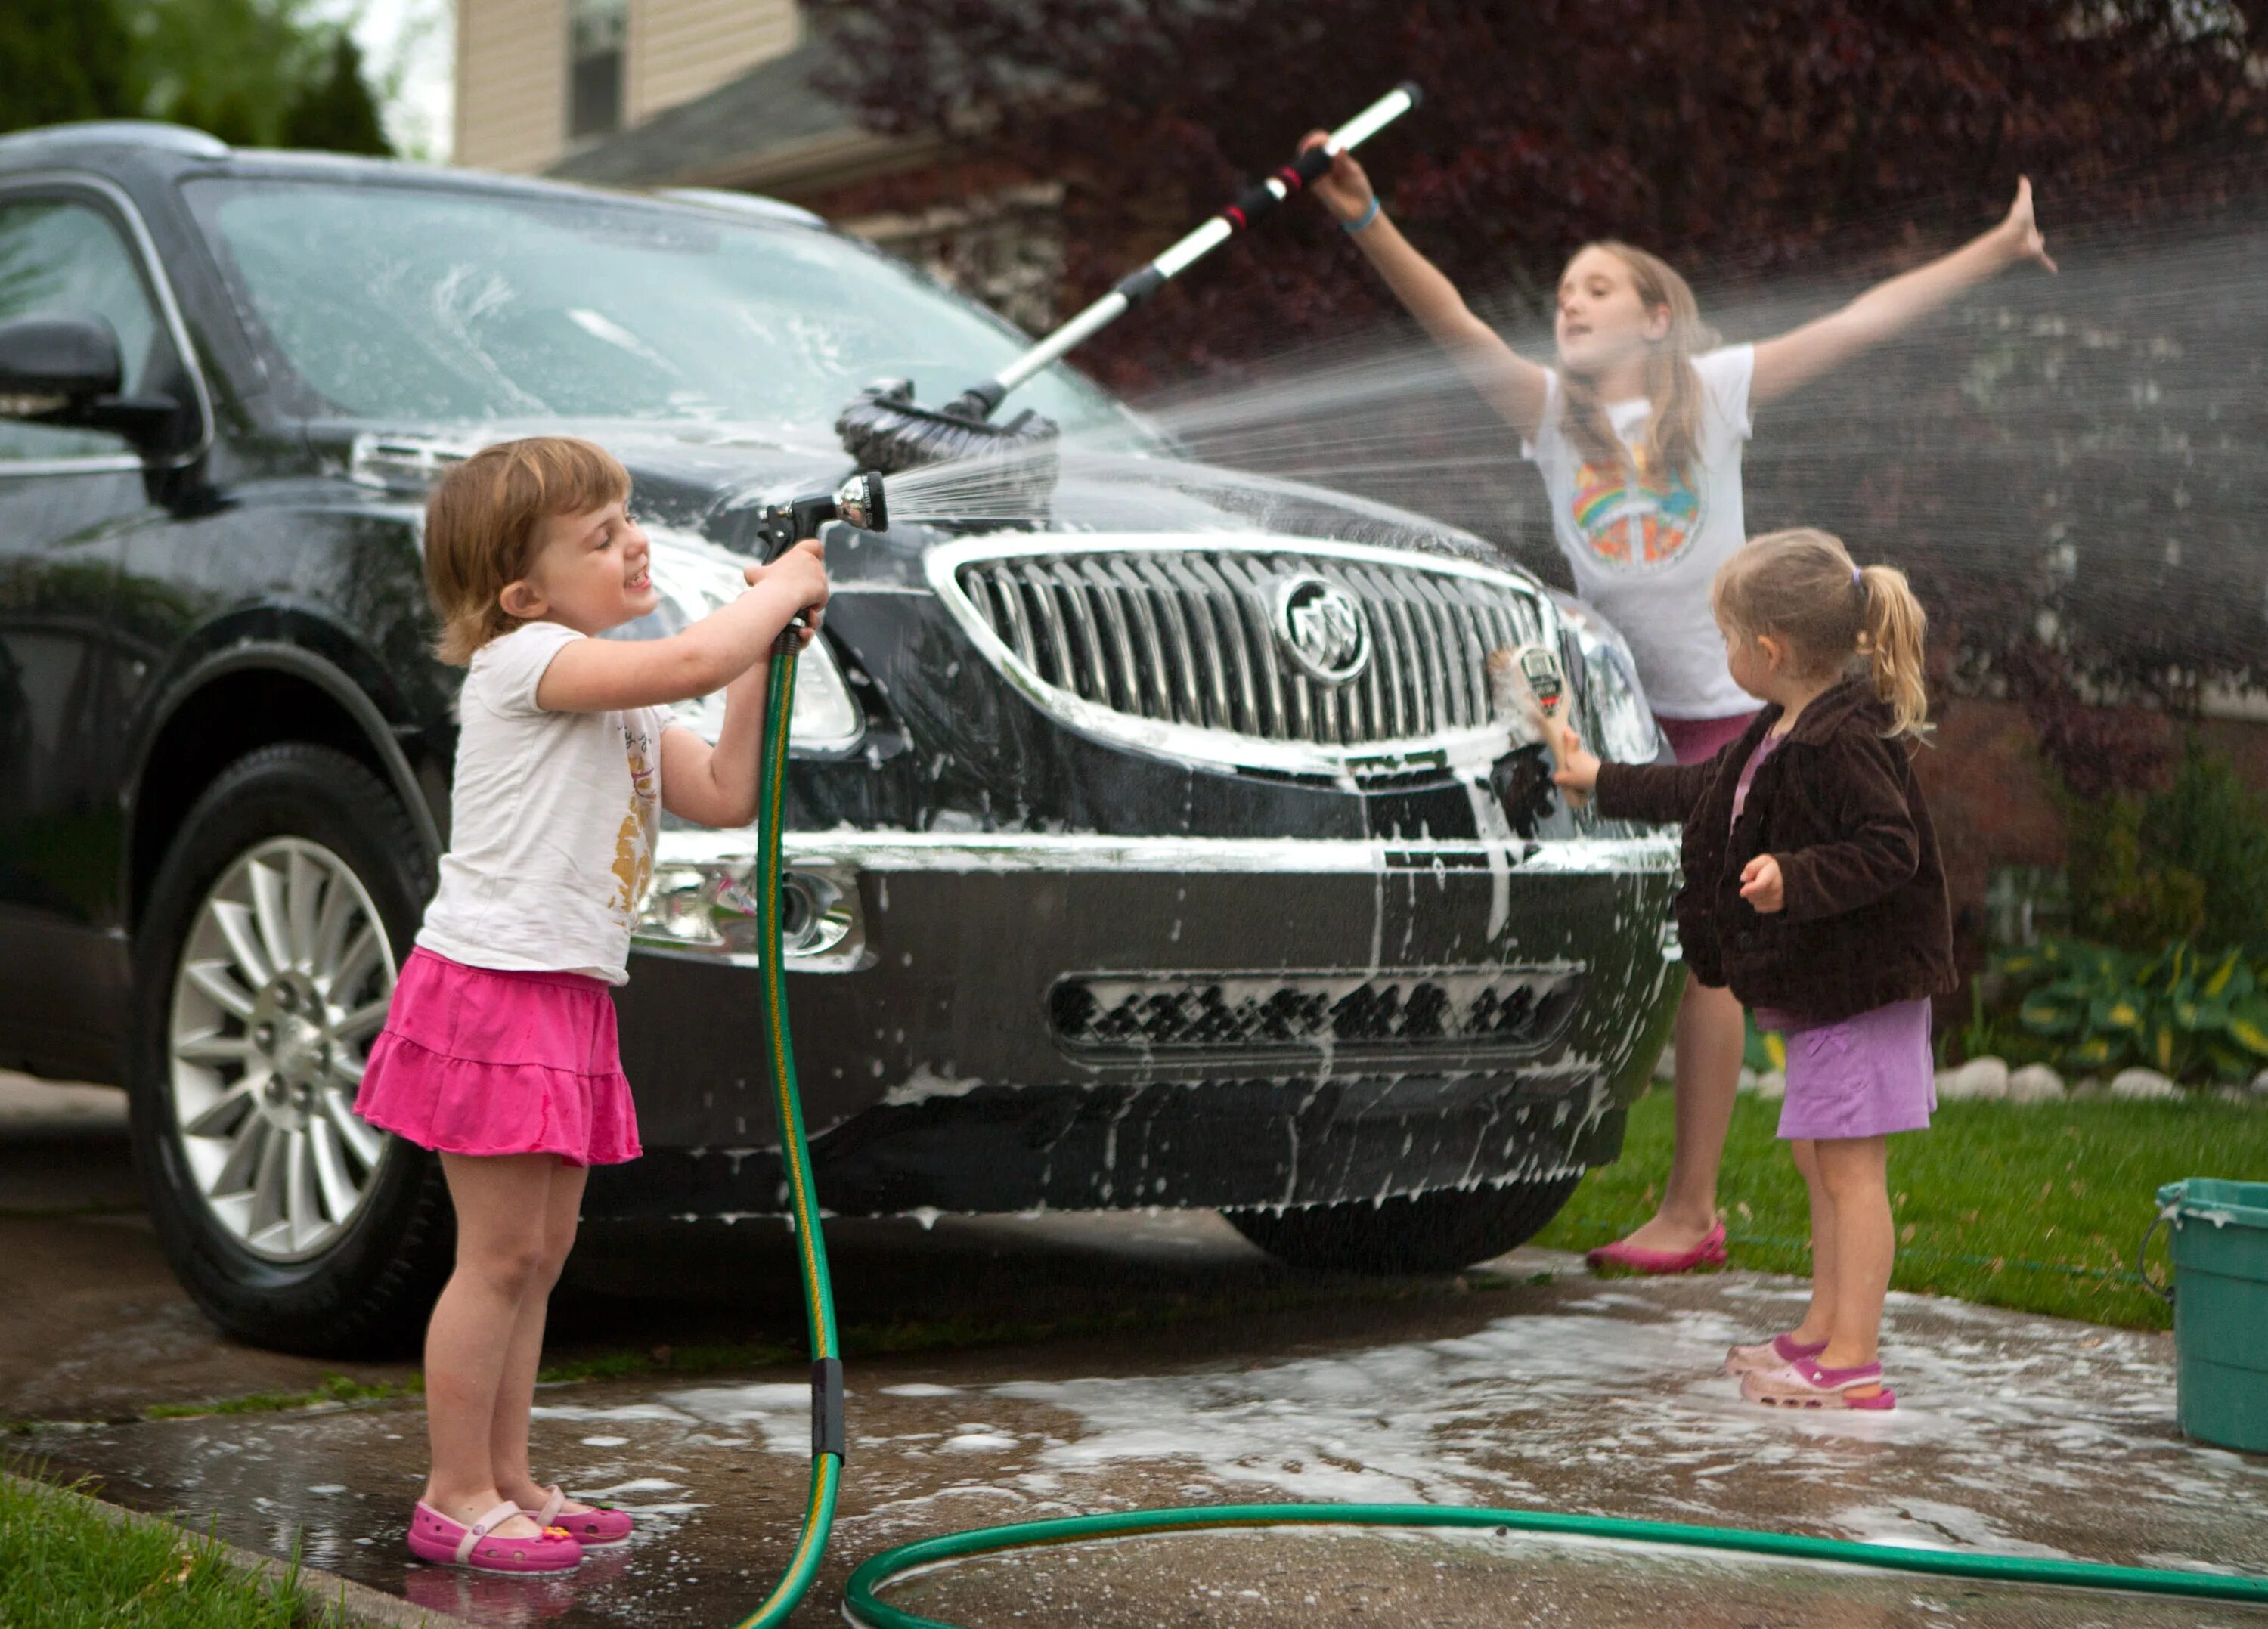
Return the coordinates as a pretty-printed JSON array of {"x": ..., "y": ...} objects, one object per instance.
[
  {"x": 476, "y": 1060},
  {"x": 1867, "y": 1076}
]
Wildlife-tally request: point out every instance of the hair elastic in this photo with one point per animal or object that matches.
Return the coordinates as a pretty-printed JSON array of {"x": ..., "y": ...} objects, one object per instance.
[
  {"x": 1364, "y": 219},
  {"x": 1858, "y": 577}
]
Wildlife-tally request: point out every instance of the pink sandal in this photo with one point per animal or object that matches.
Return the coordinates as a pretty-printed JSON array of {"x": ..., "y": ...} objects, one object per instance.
[
  {"x": 599, "y": 1525},
  {"x": 1805, "y": 1384},
  {"x": 434, "y": 1537},
  {"x": 1780, "y": 1349},
  {"x": 1631, "y": 1258}
]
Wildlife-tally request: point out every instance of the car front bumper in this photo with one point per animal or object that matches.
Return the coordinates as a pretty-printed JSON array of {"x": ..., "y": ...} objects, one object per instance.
[{"x": 1003, "y": 1022}]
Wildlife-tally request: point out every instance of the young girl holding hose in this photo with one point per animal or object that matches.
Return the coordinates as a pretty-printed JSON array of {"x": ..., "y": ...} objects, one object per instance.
[
  {"x": 499, "y": 1049},
  {"x": 1813, "y": 889},
  {"x": 1638, "y": 432}
]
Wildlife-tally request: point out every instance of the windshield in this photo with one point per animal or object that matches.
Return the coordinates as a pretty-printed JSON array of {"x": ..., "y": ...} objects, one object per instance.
[{"x": 399, "y": 302}]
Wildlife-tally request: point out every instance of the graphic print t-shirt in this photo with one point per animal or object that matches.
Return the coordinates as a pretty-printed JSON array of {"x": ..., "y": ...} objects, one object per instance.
[
  {"x": 1645, "y": 543},
  {"x": 552, "y": 822}
]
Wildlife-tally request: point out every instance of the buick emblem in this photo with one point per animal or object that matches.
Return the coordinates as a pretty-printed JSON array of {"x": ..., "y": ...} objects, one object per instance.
[{"x": 1321, "y": 629}]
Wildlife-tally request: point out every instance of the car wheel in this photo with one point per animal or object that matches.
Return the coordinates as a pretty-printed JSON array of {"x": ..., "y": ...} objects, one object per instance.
[
  {"x": 262, "y": 970},
  {"x": 1437, "y": 1232}
]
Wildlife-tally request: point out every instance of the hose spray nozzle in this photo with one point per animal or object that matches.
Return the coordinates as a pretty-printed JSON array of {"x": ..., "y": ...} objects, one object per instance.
[{"x": 859, "y": 501}]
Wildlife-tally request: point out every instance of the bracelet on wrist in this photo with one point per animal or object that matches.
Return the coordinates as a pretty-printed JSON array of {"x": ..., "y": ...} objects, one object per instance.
[{"x": 1364, "y": 220}]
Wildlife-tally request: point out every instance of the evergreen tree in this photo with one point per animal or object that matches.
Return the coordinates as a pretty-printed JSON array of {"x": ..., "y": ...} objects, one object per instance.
[
  {"x": 62, "y": 60},
  {"x": 256, "y": 73},
  {"x": 334, "y": 111}
]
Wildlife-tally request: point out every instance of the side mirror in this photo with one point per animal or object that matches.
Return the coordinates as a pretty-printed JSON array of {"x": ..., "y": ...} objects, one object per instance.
[
  {"x": 66, "y": 371},
  {"x": 51, "y": 365}
]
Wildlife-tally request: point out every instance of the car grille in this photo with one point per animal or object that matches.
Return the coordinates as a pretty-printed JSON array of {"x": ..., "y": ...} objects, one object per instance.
[
  {"x": 1493, "y": 1008},
  {"x": 1186, "y": 636}
]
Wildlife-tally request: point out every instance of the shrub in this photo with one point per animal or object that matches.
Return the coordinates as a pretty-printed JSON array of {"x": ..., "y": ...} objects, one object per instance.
[
  {"x": 2189, "y": 862},
  {"x": 2188, "y": 1015}
]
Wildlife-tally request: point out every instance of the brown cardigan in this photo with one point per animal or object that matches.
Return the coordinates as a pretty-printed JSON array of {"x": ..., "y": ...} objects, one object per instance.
[{"x": 1866, "y": 922}]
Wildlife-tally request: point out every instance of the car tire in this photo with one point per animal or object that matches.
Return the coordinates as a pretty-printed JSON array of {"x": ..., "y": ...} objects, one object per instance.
[
  {"x": 291, "y": 1224},
  {"x": 1437, "y": 1232}
]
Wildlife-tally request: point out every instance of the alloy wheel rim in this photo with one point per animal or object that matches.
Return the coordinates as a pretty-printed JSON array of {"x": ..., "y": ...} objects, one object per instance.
[{"x": 283, "y": 982}]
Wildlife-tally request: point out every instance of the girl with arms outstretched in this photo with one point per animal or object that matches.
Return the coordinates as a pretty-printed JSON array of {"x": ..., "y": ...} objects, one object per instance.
[{"x": 1638, "y": 430}]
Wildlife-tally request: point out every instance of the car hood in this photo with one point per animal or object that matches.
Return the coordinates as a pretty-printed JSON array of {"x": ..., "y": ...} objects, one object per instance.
[{"x": 715, "y": 480}]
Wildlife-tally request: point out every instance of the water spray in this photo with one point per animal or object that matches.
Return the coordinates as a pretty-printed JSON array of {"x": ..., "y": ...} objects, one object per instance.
[{"x": 886, "y": 429}]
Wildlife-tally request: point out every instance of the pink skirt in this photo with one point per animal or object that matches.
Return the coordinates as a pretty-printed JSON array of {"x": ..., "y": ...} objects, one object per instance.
[{"x": 474, "y": 1060}]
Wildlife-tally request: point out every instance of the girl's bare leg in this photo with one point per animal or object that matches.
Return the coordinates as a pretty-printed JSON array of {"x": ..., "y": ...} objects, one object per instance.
[
  {"x": 562, "y": 1207},
  {"x": 500, "y": 1205},
  {"x": 1710, "y": 1035},
  {"x": 1856, "y": 1173},
  {"x": 1819, "y": 1317}
]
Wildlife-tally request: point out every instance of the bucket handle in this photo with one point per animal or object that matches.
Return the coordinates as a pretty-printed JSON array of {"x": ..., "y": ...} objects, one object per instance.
[{"x": 2163, "y": 1292}]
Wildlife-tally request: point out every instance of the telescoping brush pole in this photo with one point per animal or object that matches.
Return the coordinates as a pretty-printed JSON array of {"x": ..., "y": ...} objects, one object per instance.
[
  {"x": 886, "y": 429},
  {"x": 1249, "y": 206}
]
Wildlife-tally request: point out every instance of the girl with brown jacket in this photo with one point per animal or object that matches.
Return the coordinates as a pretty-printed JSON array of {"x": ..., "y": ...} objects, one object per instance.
[{"x": 1813, "y": 889}]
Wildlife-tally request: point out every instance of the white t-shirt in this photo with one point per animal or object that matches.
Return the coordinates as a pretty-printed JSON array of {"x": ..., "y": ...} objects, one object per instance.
[
  {"x": 1644, "y": 552},
  {"x": 552, "y": 822}
]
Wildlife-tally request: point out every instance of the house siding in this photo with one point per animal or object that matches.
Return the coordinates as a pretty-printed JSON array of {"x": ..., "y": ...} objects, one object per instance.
[
  {"x": 511, "y": 83},
  {"x": 681, "y": 48},
  {"x": 511, "y": 68}
]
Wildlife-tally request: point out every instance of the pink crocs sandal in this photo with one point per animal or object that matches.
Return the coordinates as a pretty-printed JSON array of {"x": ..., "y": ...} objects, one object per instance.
[
  {"x": 1635, "y": 1258},
  {"x": 434, "y": 1537},
  {"x": 1803, "y": 1384},
  {"x": 598, "y": 1525},
  {"x": 1779, "y": 1350}
]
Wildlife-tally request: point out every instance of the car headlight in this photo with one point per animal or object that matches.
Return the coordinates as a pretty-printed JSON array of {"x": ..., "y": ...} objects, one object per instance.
[
  {"x": 1627, "y": 732},
  {"x": 694, "y": 577},
  {"x": 703, "y": 905}
]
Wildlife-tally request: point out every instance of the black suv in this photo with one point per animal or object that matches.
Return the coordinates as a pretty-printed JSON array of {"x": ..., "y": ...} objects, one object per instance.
[{"x": 1163, "y": 847}]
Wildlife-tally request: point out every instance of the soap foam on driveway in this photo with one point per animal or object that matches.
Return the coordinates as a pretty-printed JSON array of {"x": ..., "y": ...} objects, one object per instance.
[{"x": 2019, "y": 1434}]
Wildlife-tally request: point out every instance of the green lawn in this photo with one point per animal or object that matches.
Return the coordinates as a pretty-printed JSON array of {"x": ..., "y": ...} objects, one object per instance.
[
  {"x": 2036, "y": 1206},
  {"x": 63, "y": 1566}
]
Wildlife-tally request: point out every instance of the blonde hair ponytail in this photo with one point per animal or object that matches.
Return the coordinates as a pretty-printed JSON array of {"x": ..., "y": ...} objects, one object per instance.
[
  {"x": 1672, "y": 429},
  {"x": 1800, "y": 585},
  {"x": 1895, "y": 626}
]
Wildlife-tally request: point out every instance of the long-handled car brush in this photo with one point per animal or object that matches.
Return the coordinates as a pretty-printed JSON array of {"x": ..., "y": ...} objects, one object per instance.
[{"x": 885, "y": 429}]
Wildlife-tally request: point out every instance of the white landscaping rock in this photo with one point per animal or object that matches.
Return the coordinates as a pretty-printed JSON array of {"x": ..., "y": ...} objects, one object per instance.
[
  {"x": 2260, "y": 1083},
  {"x": 1979, "y": 1077},
  {"x": 2035, "y": 1083},
  {"x": 1748, "y": 1078},
  {"x": 2142, "y": 1085},
  {"x": 1772, "y": 1084}
]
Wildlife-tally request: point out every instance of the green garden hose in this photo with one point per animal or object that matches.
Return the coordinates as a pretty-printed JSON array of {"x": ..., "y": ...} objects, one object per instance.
[
  {"x": 795, "y": 1155},
  {"x": 862, "y": 1606}
]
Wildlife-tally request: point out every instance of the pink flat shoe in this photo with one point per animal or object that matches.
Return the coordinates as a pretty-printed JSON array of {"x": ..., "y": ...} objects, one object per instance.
[
  {"x": 1780, "y": 1349},
  {"x": 1805, "y": 1384},
  {"x": 599, "y": 1525},
  {"x": 1634, "y": 1258},
  {"x": 434, "y": 1537}
]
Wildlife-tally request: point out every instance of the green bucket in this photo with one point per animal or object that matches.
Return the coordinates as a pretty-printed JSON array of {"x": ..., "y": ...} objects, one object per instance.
[{"x": 2220, "y": 1309}]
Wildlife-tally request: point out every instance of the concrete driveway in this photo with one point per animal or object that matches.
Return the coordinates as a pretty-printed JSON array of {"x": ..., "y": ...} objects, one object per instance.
[{"x": 1009, "y": 1369}]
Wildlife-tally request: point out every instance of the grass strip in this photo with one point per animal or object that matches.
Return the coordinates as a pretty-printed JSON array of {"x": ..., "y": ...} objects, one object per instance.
[
  {"x": 333, "y": 1390},
  {"x": 2033, "y": 1207},
  {"x": 66, "y": 1563}
]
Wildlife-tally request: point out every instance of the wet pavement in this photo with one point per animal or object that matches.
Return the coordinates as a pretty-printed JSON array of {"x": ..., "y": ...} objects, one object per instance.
[{"x": 1008, "y": 1370}]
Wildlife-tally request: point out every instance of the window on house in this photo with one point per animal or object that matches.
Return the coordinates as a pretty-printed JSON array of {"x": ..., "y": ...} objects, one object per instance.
[{"x": 596, "y": 31}]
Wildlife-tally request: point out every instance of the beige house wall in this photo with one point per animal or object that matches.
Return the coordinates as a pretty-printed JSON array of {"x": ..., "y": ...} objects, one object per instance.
[
  {"x": 680, "y": 48},
  {"x": 511, "y": 68},
  {"x": 511, "y": 83}
]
